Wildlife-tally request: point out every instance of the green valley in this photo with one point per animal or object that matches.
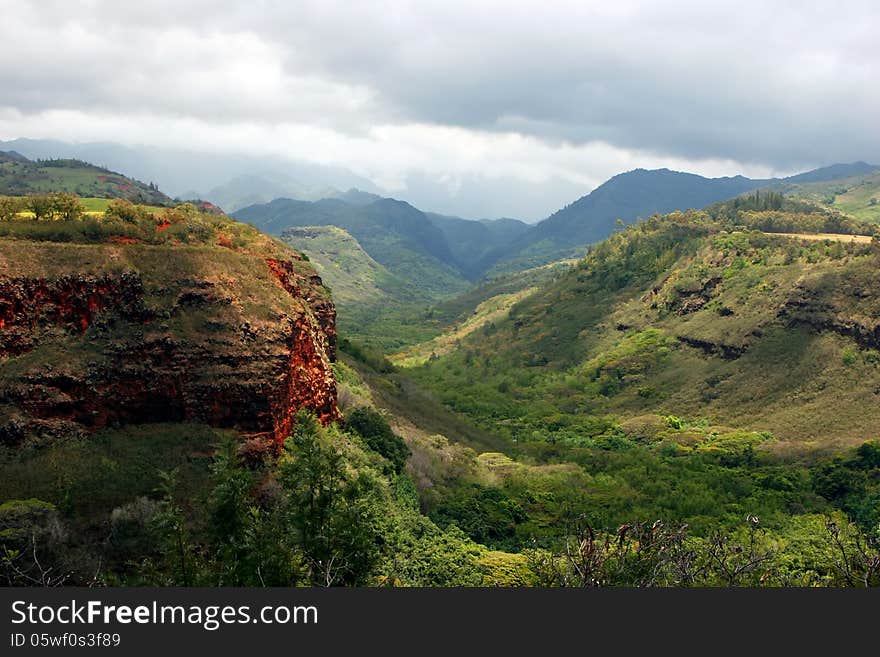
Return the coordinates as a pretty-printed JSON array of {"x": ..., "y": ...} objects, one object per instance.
[{"x": 691, "y": 402}]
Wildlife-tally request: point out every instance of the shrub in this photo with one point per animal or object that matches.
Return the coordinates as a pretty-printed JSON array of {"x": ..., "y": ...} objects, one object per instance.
[
  {"x": 126, "y": 211},
  {"x": 66, "y": 206},
  {"x": 41, "y": 205},
  {"x": 378, "y": 436},
  {"x": 9, "y": 207},
  {"x": 130, "y": 528}
]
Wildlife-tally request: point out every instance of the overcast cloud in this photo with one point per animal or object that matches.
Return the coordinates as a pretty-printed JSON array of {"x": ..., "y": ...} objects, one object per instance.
[{"x": 549, "y": 97}]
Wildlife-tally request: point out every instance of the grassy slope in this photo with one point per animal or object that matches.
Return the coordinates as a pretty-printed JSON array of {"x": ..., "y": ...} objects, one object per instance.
[
  {"x": 353, "y": 276},
  {"x": 514, "y": 494},
  {"x": 377, "y": 307},
  {"x": 479, "y": 306},
  {"x": 640, "y": 328},
  {"x": 858, "y": 196},
  {"x": 393, "y": 233},
  {"x": 373, "y": 304},
  {"x": 18, "y": 178},
  {"x": 486, "y": 313}
]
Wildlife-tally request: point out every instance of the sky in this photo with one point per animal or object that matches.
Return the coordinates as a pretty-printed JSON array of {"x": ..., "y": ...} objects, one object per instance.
[{"x": 484, "y": 108}]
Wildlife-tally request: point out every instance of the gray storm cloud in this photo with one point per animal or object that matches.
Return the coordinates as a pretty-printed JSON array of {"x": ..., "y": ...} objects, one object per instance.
[{"x": 565, "y": 91}]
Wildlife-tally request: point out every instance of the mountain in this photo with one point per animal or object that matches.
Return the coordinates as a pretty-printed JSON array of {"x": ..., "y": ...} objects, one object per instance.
[
  {"x": 394, "y": 233},
  {"x": 477, "y": 248},
  {"x": 252, "y": 189},
  {"x": 175, "y": 373},
  {"x": 20, "y": 176},
  {"x": 366, "y": 293},
  {"x": 695, "y": 369},
  {"x": 181, "y": 170},
  {"x": 141, "y": 322},
  {"x": 683, "y": 406},
  {"x": 625, "y": 197},
  {"x": 632, "y": 195},
  {"x": 470, "y": 241},
  {"x": 833, "y": 172},
  {"x": 358, "y": 197},
  {"x": 346, "y": 269},
  {"x": 12, "y": 156},
  {"x": 638, "y": 193},
  {"x": 687, "y": 315},
  {"x": 458, "y": 244}
]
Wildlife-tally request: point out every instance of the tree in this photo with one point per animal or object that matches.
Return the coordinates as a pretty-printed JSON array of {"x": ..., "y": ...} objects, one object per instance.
[
  {"x": 337, "y": 513},
  {"x": 869, "y": 454},
  {"x": 9, "y": 207},
  {"x": 856, "y": 555},
  {"x": 32, "y": 544},
  {"x": 377, "y": 434},
  {"x": 41, "y": 205},
  {"x": 229, "y": 515},
  {"x": 66, "y": 206},
  {"x": 122, "y": 209},
  {"x": 170, "y": 526}
]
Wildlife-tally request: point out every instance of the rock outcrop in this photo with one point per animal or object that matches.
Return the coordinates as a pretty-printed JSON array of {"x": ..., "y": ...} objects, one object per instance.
[
  {"x": 133, "y": 343},
  {"x": 839, "y": 305}
]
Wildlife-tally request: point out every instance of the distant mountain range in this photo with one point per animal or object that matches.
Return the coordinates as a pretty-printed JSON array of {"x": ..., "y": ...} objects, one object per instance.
[
  {"x": 437, "y": 251},
  {"x": 394, "y": 233},
  {"x": 251, "y": 189},
  {"x": 634, "y": 194},
  {"x": 185, "y": 173},
  {"x": 236, "y": 180},
  {"x": 471, "y": 249}
]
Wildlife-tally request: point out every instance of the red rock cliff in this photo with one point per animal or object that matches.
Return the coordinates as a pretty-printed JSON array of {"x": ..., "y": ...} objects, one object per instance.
[{"x": 245, "y": 349}]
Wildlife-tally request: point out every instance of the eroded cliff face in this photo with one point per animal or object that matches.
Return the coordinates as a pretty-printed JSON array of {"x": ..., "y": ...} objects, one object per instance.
[
  {"x": 133, "y": 344},
  {"x": 68, "y": 301}
]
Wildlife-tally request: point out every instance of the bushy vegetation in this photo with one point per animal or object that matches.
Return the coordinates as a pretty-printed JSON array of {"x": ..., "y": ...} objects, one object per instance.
[
  {"x": 324, "y": 512},
  {"x": 62, "y": 217},
  {"x": 621, "y": 389},
  {"x": 328, "y": 512},
  {"x": 377, "y": 434},
  {"x": 772, "y": 212},
  {"x": 660, "y": 318}
]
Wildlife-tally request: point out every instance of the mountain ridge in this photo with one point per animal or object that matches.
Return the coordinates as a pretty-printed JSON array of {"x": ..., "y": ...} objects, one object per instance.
[
  {"x": 502, "y": 246},
  {"x": 20, "y": 176}
]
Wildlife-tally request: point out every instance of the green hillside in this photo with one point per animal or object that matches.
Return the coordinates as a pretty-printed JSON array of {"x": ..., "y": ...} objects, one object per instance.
[
  {"x": 696, "y": 393},
  {"x": 687, "y": 315},
  {"x": 857, "y": 196},
  {"x": 373, "y": 304},
  {"x": 20, "y": 176},
  {"x": 478, "y": 307},
  {"x": 393, "y": 233},
  {"x": 346, "y": 268},
  {"x": 640, "y": 193},
  {"x": 690, "y": 368}
]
